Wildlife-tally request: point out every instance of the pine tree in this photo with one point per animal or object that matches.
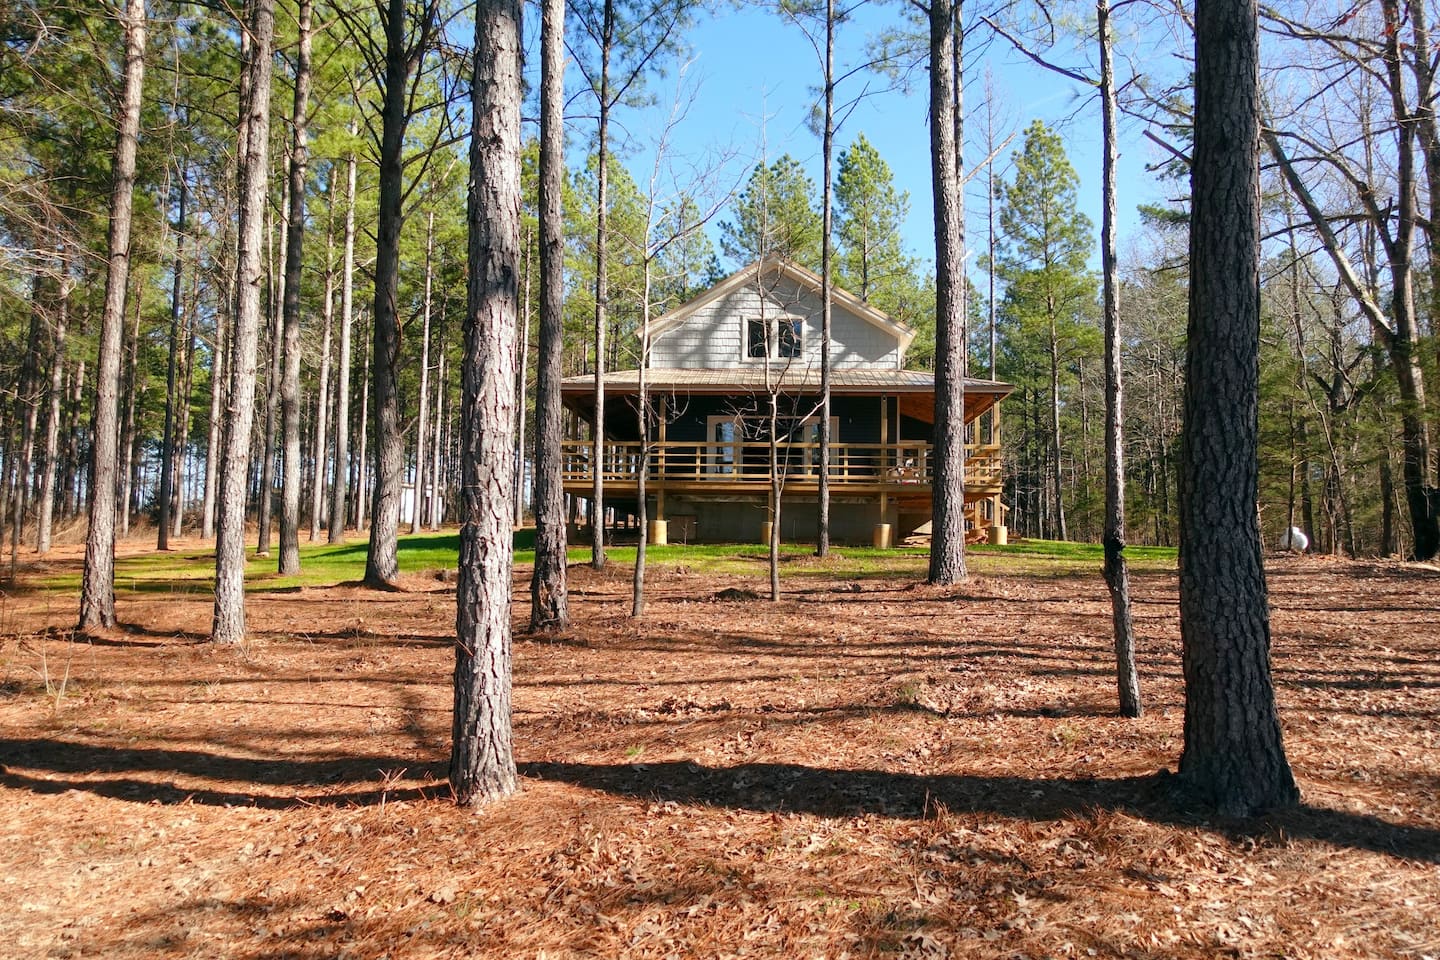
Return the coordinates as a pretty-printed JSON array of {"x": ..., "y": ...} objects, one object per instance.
[
  {"x": 871, "y": 261},
  {"x": 775, "y": 216},
  {"x": 1050, "y": 295}
]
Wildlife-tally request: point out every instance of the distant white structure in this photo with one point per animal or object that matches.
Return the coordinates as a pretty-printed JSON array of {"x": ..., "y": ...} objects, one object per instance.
[
  {"x": 407, "y": 502},
  {"x": 1294, "y": 540}
]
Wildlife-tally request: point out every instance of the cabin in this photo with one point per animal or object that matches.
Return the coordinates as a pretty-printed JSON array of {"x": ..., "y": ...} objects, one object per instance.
[{"x": 739, "y": 367}]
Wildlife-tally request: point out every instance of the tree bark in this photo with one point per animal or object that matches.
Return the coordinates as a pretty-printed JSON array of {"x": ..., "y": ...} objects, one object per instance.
[
  {"x": 435, "y": 441},
  {"x": 947, "y": 550},
  {"x": 827, "y": 149},
  {"x": 51, "y": 474},
  {"x": 549, "y": 595},
  {"x": 228, "y": 624},
  {"x": 177, "y": 310},
  {"x": 97, "y": 592},
  {"x": 382, "y": 565},
  {"x": 294, "y": 262},
  {"x": 363, "y": 433},
  {"x": 418, "y": 502},
  {"x": 482, "y": 764},
  {"x": 1234, "y": 758},
  {"x": 215, "y": 439},
  {"x": 602, "y": 290},
  {"x": 321, "y": 443},
  {"x": 1117, "y": 572},
  {"x": 182, "y": 442},
  {"x": 272, "y": 392},
  {"x": 128, "y": 442},
  {"x": 339, "y": 490},
  {"x": 523, "y": 347}
]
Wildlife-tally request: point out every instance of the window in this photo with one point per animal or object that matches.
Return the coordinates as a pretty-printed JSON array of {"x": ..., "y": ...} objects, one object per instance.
[
  {"x": 789, "y": 345},
  {"x": 779, "y": 339},
  {"x": 755, "y": 338}
]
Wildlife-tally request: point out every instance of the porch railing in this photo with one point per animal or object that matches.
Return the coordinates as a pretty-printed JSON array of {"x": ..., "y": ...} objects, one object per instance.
[{"x": 857, "y": 464}]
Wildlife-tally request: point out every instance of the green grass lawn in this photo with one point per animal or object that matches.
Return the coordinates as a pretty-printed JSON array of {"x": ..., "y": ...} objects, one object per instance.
[{"x": 325, "y": 564}]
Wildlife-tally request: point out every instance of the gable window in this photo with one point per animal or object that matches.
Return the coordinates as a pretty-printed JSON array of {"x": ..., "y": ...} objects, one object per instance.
[
  {"x": 778, "y": 339},
  {"x": 788, "y": 344},
  {"x": 755, "y": 345}
]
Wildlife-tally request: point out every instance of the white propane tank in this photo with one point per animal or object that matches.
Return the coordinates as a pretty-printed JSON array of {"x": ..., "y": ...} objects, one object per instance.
[{"x": 1294, "y": 540}]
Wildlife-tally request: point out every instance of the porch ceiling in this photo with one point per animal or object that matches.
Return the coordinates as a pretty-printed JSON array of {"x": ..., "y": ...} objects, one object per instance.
[{"x": 914, "y": 389}]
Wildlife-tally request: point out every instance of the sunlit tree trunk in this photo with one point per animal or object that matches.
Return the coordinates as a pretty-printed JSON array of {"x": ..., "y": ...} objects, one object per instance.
[
  {"x": 482, "y": 764},
  {"x": 549, "y": 601},
  {"x": 294, "y": 261},
  {"x": 339, "y": 490},
  {"x": 51, "y": 475},
  {"x": 97, "y": 592},
  {"x": 947, "y": 550},
  {"x": 1117, "y": 573},
  {"x": 418, "y": 502},
  {"x": 229, "y": 619},
  {"x": 167, "y": 445}
]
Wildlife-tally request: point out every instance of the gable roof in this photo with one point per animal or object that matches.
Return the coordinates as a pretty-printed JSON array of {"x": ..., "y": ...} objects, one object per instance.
[{"x": 799, "y": 275}]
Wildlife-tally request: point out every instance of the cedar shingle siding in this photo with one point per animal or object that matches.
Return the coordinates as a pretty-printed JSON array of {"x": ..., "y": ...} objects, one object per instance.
[{"x": 713, "y": 336}]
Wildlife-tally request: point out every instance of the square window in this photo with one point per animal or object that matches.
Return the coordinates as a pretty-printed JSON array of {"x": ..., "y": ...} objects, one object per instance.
[
  {"x": 789, "y": 345},
  {"x": 755, "y": 339}
]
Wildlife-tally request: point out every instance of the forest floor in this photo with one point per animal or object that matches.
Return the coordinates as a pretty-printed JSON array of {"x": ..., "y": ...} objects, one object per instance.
[{"x": 870, "y": 767}]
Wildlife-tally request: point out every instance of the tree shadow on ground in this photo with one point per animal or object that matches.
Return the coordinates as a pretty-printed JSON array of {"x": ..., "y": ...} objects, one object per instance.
[
  {"x": 125, "y": 774},
  {"x": 795, "y": 788}
]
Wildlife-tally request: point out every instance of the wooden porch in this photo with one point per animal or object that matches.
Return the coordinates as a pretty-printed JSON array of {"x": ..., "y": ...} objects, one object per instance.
[{"x": 901, "y": 470}]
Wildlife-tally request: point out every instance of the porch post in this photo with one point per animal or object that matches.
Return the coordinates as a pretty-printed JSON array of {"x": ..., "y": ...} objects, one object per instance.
[
  {"x": 883, "y": 534},
  {"x": 999, "y": 533},
  {"x": 658, "y": 533}
]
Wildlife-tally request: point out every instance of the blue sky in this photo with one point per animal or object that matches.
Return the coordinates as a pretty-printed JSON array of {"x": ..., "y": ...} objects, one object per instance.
[{"x": 751, "y": 75}]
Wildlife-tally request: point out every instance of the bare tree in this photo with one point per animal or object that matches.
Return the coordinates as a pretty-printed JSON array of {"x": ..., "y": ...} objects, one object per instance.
[
  {"x": 1117, "y": 572},
  {"x": 97, "y": 592},
  {"x": 482, "y": 764}
]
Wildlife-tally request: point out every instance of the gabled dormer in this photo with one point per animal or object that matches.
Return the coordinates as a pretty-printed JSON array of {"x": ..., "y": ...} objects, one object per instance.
[{"x": 769, "y": 312}]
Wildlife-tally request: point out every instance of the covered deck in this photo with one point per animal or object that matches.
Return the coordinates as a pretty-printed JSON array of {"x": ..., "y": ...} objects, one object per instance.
[{"x": 881, "y": 452}]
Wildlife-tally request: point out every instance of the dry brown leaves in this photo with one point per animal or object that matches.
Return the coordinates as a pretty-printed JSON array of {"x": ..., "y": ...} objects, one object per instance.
[{"x": 871, "y": 769}]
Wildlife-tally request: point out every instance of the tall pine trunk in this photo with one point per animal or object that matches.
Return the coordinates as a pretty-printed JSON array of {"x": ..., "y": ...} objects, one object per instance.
[
  {"x": 417, "y": 504},
  {"x": 827, "y": 148},
  {"x": 549, "y": 598},
  {"x": 602, "y": 290},
  {"x": 272, "y": 392},
  {"x": 294, "y": 261},
  {"x": 482, "y": 763},
  {"x": 51, "y": 475},
  {"x": 382, "y": 565},
  {"x": 947, "y": 550},
  {"x": 321, "y": 442},
  {"x": 339, "y": 490},
  {"x": 228, "y": 624},
  {"x": 167, "y": 445},
  {"x": 1234, "y": 759},
  {"x": 97, "y": 592}
]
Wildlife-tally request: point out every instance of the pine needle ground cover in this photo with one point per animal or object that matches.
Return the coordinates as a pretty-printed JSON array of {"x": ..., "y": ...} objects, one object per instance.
[{"x": 869, "y": 768}]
